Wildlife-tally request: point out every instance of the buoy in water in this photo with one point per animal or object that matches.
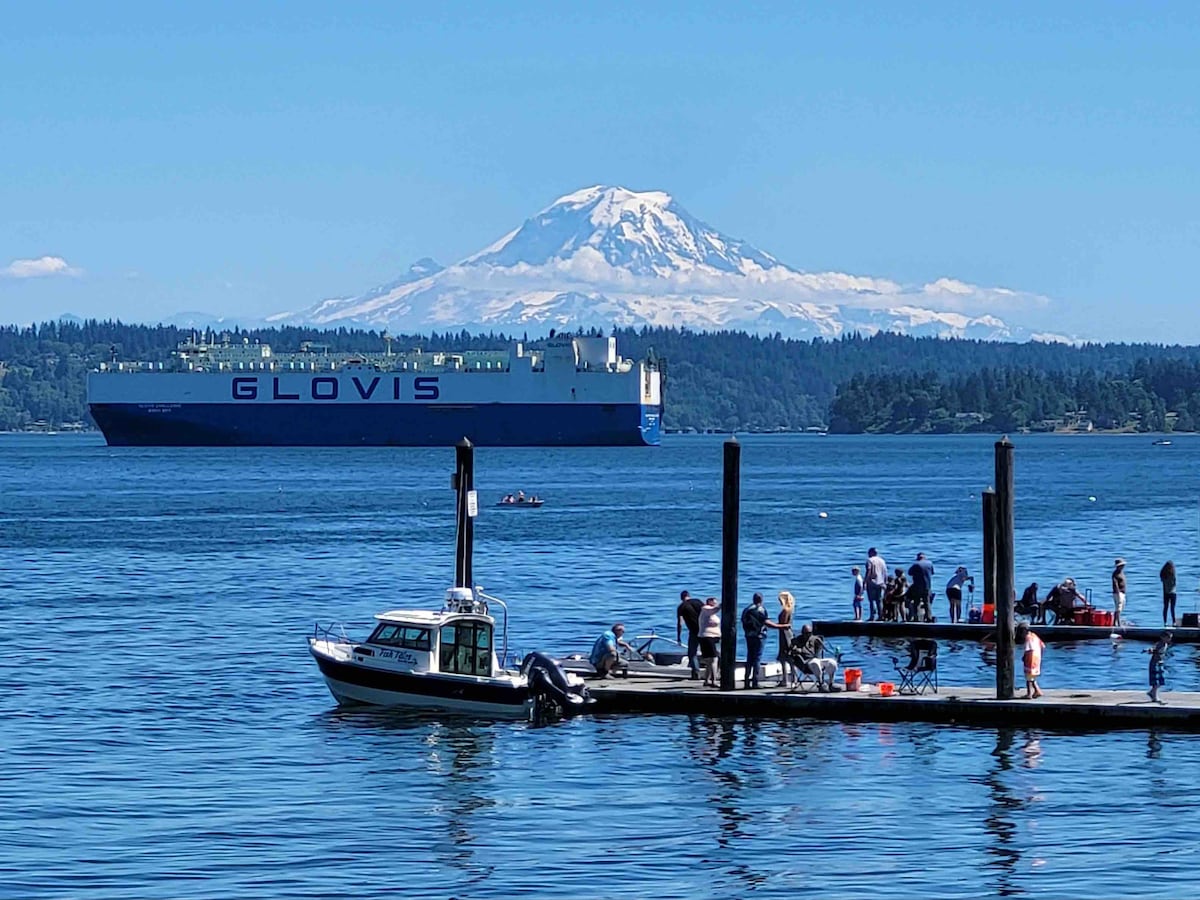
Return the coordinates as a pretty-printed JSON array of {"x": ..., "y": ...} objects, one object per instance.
[
  {"x": 1092, "y": 499},
  {"x": 823, "y": 514}
]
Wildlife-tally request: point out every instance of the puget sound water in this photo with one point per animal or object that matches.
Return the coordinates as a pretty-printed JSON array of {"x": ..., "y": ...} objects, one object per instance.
[{"x": 164, "y": 733}]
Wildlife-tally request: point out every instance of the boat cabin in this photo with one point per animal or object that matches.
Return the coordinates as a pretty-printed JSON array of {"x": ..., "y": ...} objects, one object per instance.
[{"x": 458, "y": 640}]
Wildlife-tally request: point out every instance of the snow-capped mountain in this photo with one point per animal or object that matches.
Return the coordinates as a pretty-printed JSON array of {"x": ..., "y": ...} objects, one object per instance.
[{"x": 606, "y": 256}]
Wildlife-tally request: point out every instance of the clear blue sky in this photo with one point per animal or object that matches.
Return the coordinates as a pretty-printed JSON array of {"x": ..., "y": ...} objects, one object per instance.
[{"x": 251, "y": 157}]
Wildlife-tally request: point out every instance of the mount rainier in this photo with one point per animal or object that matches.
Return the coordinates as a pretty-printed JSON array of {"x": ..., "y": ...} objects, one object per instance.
[{"x": 606, "y": 256}]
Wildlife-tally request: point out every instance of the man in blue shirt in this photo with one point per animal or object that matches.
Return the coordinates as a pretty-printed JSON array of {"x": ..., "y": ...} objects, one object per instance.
[
  {"x": 754, "y": 625},
  {"x": 605, "y": 653},
  {"x": 920, "y": 575}
]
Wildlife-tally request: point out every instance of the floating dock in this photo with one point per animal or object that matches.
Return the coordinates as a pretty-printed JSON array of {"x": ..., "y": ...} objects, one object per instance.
[
  {"x": 963, "y": 631},
  {"x": 1069, "y": 710}
]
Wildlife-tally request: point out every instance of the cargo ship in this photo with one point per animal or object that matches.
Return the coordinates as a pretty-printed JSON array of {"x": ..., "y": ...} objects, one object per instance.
[{"x": 570, "y": 391}]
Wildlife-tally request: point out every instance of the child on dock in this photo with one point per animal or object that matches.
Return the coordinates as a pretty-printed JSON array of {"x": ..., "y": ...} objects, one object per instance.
[
  {"x": 859, "y": 590},
  {"x": 1031, "y": 656},
  {"x": 1158, "y": 658}
]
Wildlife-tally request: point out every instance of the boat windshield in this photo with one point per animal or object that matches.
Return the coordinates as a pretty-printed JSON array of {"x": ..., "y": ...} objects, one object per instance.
[{"x": 409, "y": 637}]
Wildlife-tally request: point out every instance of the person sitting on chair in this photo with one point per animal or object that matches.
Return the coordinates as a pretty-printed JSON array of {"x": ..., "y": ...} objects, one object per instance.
[
  {"x": 810, "y": 649},
  {"x": 606, "y": 652},
  {"x": 1028, "y": 605},
  {"x": 1063, "y": 600}
]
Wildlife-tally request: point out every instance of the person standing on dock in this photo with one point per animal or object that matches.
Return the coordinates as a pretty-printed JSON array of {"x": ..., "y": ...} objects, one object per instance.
[
  {"x": 710, "y": 638},
  {"x": 1118, "y": 588},
  {"x": 787, "y": 671},
  {"x": 954, "y": 591},
  {"x": 921, "y": 573},
  {"x": 1158, "y": 659},
  {"x": 858, "y": 593},
  {"x": 754, "y": 624},
  {"x": 1031, "y": 657},
  {"x": 877, "y": 576},
  {"x": 687, "y": 614},
  {"x": 1168, "y": 577}
]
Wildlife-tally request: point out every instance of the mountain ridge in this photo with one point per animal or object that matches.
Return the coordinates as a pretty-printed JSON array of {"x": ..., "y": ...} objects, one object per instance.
[{"x": 604, "y": 256}]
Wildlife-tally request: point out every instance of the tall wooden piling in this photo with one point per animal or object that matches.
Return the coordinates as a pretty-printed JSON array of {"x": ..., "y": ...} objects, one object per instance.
[
  {"x": 464, "y": 484},
  {"x": 730, "y": 502},
  {"x": 989, "y": 548},
  {"x": 1005, "y": 561}
]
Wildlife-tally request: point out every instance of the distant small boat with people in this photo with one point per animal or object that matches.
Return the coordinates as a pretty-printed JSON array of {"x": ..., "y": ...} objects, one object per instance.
[
  {"x": 1162, "y": 442},
  {"x": 519, "y": 499}
]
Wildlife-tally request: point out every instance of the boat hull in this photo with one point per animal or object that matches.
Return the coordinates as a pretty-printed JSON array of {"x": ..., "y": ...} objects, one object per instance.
[
  {"x": 377, "y": 425},
  {"x": 353, "y": 684}
]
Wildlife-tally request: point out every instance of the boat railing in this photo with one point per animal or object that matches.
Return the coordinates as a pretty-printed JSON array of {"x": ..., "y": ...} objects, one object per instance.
[
  {"x": 504, "y": 632},
  {"x": 334, "y": 632}
]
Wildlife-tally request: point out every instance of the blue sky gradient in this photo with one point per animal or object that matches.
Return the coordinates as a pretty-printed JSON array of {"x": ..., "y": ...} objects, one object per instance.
[{"x": 252, "y": 158}]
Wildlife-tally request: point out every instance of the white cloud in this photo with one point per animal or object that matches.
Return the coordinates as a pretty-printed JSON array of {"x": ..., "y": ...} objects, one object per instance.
[
  {"x": 41, "y": 267},
  {"x": 587, "y": 271}
]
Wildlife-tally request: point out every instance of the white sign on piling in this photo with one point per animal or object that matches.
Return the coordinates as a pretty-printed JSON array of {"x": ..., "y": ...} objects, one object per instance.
[{"x": 472, "y": 503}]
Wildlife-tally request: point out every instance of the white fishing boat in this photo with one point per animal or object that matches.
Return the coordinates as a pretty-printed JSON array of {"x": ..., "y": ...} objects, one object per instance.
[{"x": 445, "y": 659}]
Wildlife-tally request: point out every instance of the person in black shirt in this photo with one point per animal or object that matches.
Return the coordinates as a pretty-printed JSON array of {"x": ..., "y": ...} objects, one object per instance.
[
  {"x": 688, "y": 614},
  {"x": 755, "y": 622}
]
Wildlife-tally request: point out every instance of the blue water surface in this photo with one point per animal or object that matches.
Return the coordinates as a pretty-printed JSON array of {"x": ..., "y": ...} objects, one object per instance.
[{"x": 164, "y": 733}]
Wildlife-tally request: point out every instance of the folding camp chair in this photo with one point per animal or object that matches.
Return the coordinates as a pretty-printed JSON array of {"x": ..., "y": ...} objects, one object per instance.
[
  {"x": 919, "y": 674},
  {"x": 806, "y": 678}
]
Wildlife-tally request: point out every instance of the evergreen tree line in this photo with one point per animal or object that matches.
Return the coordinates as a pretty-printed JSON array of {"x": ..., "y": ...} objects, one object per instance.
[
  {"x": 717, "y": 380},
  {"x": 1156, "y": 395}
]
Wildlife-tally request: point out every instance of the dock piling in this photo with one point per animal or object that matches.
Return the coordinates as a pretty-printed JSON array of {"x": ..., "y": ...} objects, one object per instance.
[
  {"x": 730, "y": 502},
  {"x": 989, "y": 549},
  {"x": 464, "y": 483},
  {"x": 1004, "y": 562}
]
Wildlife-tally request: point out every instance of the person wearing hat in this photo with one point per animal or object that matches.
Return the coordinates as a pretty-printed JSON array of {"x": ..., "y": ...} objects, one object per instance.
[{"x": 1118, "y": 586}]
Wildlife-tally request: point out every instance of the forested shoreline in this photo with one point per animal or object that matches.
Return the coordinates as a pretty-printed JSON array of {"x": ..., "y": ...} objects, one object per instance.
[{"x": 726, "y": 381}]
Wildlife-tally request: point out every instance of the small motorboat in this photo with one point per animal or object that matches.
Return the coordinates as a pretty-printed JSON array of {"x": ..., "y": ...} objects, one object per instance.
[
  {"x": 1161, "y": 442},
  {"x": 520, "y": 502},
  {"x": 656, "y": 656},
  {"x": 444, "y": 660}
]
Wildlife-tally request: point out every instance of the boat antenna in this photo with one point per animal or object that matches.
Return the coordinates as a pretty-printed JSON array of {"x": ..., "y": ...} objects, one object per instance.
[{"x": 464, "y": 485}]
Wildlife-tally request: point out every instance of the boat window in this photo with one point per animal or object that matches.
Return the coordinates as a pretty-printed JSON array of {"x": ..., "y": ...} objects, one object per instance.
[
  {"x": 384, "y": 634},
  {"x": 466, "y": 649},
  {"x": 408, "y": 637}
]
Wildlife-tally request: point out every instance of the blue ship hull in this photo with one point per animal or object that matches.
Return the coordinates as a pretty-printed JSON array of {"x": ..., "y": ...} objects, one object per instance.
[{"x": 378, "y": 425}]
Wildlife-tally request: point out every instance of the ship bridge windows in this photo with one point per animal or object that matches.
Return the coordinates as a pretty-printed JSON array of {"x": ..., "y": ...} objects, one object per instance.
[
  {"x": 466, "y": 649},
  {"x": 407, "y": 637}
]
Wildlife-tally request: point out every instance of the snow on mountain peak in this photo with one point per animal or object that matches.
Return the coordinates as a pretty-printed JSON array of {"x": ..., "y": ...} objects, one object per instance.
[
  {"x": 605, "y": 255},
  {"x": 641, "y": 232}
]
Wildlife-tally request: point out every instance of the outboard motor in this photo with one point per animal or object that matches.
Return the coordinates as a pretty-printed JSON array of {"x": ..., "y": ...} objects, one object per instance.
[{"x": 553, "y": 693}]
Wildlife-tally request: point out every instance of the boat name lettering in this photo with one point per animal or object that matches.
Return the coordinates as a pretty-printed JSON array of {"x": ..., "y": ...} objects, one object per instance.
[
  {"x": 403, "y": 656},
  {"x": 327, "y": 387}
]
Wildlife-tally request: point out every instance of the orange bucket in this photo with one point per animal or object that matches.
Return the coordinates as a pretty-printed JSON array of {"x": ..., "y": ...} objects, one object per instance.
[
  {"x": 853, "y": 679},
  {"x": 886, "y": 689}
]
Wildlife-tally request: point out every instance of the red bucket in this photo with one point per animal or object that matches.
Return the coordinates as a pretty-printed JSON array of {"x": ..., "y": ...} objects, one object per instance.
[{"x": 853, "y": 679}]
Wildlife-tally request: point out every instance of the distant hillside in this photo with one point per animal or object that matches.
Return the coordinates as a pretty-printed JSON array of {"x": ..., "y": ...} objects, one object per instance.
[{"x": 724, "y": 380}]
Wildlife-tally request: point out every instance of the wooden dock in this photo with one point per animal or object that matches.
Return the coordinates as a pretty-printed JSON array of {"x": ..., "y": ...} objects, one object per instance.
[
  {"x": 962, "y": 631},
  {"x": 1069, "y": 710}
]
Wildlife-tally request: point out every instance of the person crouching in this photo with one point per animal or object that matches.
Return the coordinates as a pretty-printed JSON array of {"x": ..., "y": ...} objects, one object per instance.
[{"x": 606, "y": 652}]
